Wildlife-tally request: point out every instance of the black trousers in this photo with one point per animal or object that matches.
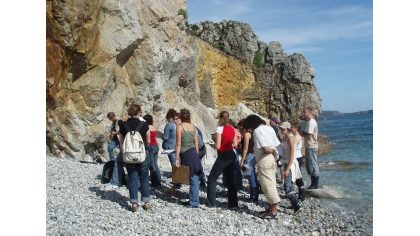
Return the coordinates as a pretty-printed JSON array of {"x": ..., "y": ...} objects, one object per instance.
[{"x": 225, "y": 163}]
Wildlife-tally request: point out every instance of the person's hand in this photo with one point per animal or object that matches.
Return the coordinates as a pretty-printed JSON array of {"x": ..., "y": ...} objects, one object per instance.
[
  {"x": 177, "y": 163},
  {"x": 285, "y": 173},
  {"x": 242, "y": 163}
]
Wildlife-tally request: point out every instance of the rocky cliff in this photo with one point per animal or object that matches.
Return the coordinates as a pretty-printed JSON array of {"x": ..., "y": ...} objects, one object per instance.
[
  {"x": 282, "y": 84},
  {"x": 102, "y": 55}
]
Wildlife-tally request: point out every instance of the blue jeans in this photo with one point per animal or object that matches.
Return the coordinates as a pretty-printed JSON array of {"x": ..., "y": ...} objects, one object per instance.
[
  {"x": 111, "y": 146},
  {"x": 138, "y": 174},
  {"x": 155, "y": 176},
  {"x": 118, "y": 171},
  {"x": 288, "y": 185},
  {"x": 252, "y": 177},
  {"x": 311, "y": 162},
  {"x": 172, "y": 158},
  {"x": 225, "y": 163},
  {"x": 194, "y": 191}
]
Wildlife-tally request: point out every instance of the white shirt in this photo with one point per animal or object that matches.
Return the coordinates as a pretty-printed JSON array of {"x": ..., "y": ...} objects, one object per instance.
[
  {"x": 264, "y": 136},
  {"x": 311, "y": 127},
  {"x": 298, "y": 146}
]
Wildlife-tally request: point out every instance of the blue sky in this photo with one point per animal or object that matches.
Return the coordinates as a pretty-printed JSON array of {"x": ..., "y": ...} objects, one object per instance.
[{"x": 334, "y": 35}]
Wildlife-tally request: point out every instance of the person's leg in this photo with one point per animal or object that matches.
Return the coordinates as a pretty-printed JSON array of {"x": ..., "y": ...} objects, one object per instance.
[
  {"x": 312, "y": 167},
  {"x": 238, "y": 174},
  {"x": 202, "y": 176},
  {"x": 111, "y": 147},
  {"x": 252, "y": 177},
  {"x": 231, "y": 183},
  {"x": 194, "y": 191},
  {"x": 118, "y": 171},
  {"x": 289, "y": 190},
  {"x": 133, "y": 182},
  {"x": 215, "y": 172},
  {"x": 143, "y": 175},
  {"x": 301, "y": 193},
  {"x": 154, "y": 170},
  {"x": 172, "y": 160},
  {"x": 266, "y": 166}
]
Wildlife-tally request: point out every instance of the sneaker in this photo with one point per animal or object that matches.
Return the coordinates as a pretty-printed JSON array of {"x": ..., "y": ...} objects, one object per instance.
[
  {"x": 134, "y": 207},
  {"x": 110, "y": 186},
  {"x": 147, "y": 206}
]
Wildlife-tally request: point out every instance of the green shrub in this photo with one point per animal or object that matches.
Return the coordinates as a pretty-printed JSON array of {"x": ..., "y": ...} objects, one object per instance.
[
  {"x": 183, "y": 12},
  {"x": 194, "y": 27},
  {"x": 258, "y": 59}
]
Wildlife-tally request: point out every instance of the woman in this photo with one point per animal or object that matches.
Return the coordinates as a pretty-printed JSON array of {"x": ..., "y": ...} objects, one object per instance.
[
  {"x": 225, "y": 162},
  {"x": 248, "y": 159},
  {"x": 265, "y": 143},
  {"x": 291, "y": 170},
  {"x": 169, "y": 135},
  {"x": 153, "y": 147},
  {"x": 169, "y": 140},
  {"x": 298, "y": 154},
  {"x": 139, "y": 171},
  {"x": 186, "y": 152}
]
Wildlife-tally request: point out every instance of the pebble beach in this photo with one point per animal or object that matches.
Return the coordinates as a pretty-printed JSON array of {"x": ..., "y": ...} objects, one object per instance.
[{"x": 77, "y": 204}]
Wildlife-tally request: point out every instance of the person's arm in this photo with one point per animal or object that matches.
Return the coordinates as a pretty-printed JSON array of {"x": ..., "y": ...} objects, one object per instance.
[
  {"x": 247, "y": 137},
  {"x": 235, "y": 141},
  {"x": 218, "y": 141},
  {"x": 148, "y": 137},
  {"x": 166, "y": 132},
  {"x": 120, "y": 138},
  {"x": 196, "y": 139},
  {"x": 267, "y": 150},
  {"x": 178, "y": 145},
  {"x": 291, "y": 143}
]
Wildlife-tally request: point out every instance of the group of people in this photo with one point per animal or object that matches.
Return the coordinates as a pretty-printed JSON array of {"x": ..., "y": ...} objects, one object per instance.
[{"x": 251, "y": 147}]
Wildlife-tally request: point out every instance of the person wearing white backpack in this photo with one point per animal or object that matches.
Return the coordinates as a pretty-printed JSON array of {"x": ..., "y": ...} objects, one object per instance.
[{"x": 133, "y": 137}]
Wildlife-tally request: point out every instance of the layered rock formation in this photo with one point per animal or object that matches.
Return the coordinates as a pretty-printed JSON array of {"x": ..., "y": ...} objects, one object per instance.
[
  {"x": 282, "y": 85},
  {"x": 103, "y": 55}
]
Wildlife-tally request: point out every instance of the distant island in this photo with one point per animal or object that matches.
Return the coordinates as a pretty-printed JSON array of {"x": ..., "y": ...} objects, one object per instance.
[{"x": 327, "y": 114}]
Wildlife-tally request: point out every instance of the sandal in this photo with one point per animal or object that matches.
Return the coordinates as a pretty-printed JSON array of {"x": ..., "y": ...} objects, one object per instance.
[
  {"x": 134, "y": 207},
  {"x": 267, "y": 215},
  {"x": 147, "y": 206}
]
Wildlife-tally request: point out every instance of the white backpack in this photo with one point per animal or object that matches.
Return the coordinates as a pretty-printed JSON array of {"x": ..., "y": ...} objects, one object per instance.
[{"x": 133, "y": 145}]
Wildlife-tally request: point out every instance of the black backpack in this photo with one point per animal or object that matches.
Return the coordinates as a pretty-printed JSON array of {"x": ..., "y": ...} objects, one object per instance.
[
  {"x": 202, "y": 147},
  {"x": 107, "y": 173}
]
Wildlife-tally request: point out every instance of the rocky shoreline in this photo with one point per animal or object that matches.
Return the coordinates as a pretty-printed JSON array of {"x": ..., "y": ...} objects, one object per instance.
[{"x": 77, "y": 205}]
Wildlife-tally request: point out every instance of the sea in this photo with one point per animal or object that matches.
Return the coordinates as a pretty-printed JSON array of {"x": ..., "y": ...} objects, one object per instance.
[{"x": 348, "y": 167}]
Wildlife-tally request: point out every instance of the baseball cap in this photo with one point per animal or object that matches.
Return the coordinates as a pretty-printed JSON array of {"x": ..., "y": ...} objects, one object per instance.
[{"x": 285, "y": 125}]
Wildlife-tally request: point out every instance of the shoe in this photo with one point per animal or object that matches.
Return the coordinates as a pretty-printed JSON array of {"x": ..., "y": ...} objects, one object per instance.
[
  {"x": 314, "y": 182},
  {"x": 156, "y": 185},
  {"x": 267, "y": 215},
  {"x": 110, "y": 186},
  {"x": 203, "y": 185},
  {"x": 134, "y": 207},
  {"x": 234, "y": 208},
  {"x": 147, "y": 206}
]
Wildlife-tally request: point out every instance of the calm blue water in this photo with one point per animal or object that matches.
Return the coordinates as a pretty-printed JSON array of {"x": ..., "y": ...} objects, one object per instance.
[{"x": 351, "y": 136}]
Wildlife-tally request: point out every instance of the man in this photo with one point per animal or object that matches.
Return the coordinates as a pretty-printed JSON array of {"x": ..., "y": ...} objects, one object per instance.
[
  {"x": 117, "y": 172},
  {"x": 274, "y": 122},
  {"x": 310, "y": 133}
]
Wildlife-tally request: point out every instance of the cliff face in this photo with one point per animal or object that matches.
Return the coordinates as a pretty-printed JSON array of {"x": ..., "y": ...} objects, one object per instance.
[
  {"x": 103, "y": 55},
  {"x": 283, "y": 84}
]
